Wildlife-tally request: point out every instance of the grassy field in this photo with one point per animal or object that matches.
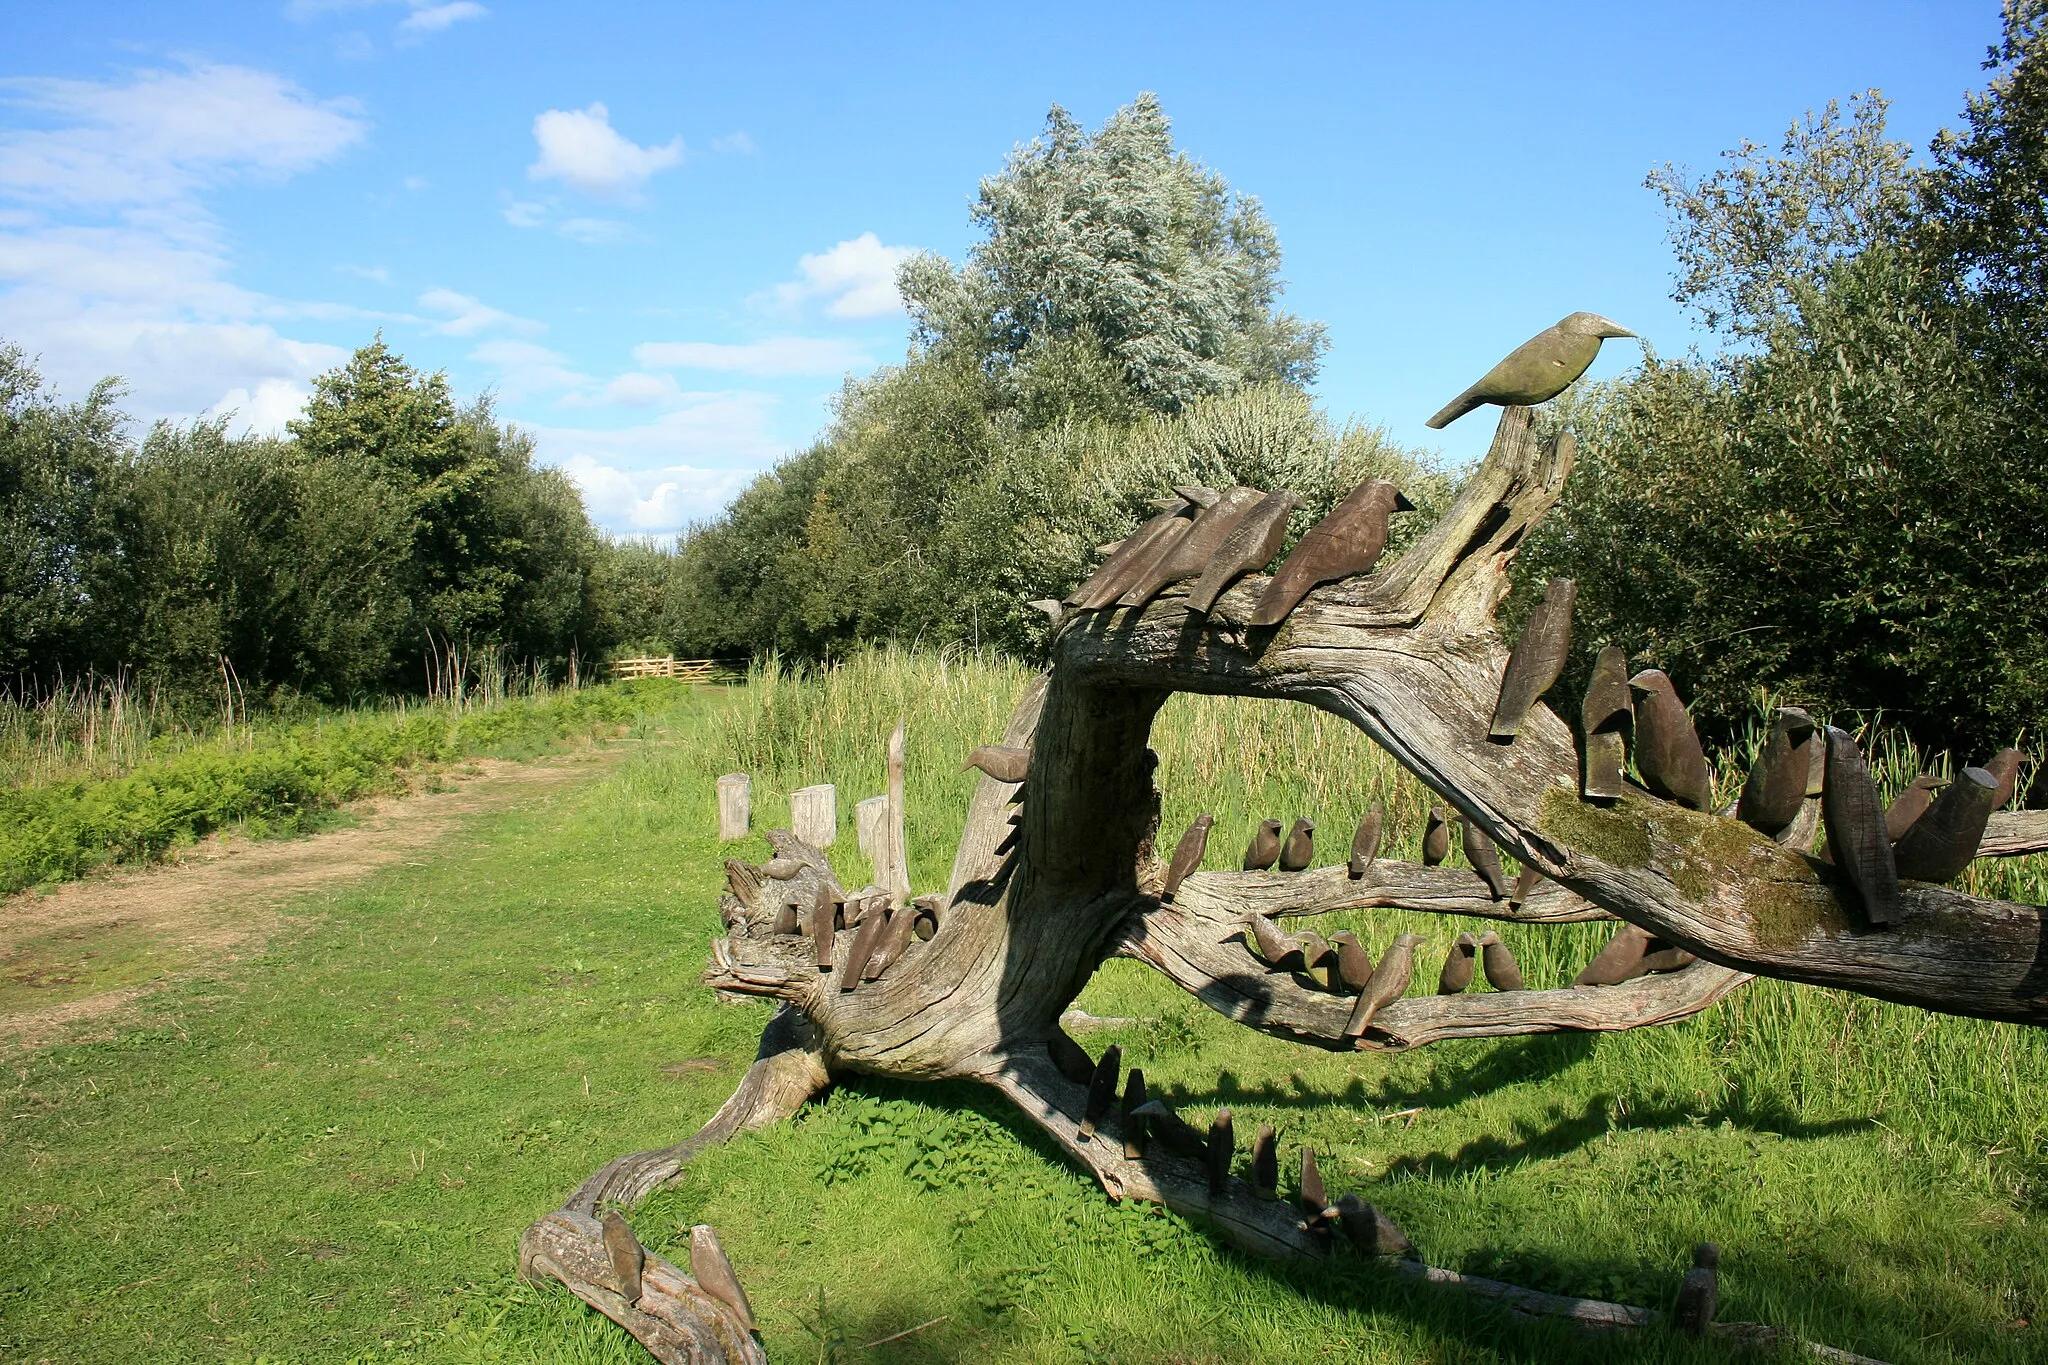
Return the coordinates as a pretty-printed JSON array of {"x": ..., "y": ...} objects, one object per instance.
[{"x": 327, "y": 1153}]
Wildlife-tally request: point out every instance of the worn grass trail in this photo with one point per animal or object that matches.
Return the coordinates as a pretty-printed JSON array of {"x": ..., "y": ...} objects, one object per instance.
[{"x": 327, "y": 1152}]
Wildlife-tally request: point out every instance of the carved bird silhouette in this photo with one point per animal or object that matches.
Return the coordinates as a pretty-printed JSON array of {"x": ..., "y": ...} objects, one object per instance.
[
  {"x": 1621, "y": 960},
  {"x": 1299, "y": 850},
  {"x": 1102, "y": 1090},
  {"x": 1539, "y": 369},
  {"x": 1668, "y": 752},
  {"x": 1222, "y": 1150},
  {"x": 1003, "y": 762},
  {"x": 1776, "y": 786},
  {"x": 1389, "y": 980},
  {"x": 1537, "y": 659},
  {"x": 1365, "y": 842},
  {"x": 1266, "y": 1161},
  {"x": 1345, "y": 543},
  {"x": 1909, "y": 805},
  {"x": 1436, "y": 838},
  {"x": 713, "y": 1273},
  {"x": 1459, "y": 965},
  {"x": 1250, "y": 545},
  {"x": 623, "y": 1250},
  {"x": 1605, "y": 717},
  {"x": 1187, "y": 855},
  {"x": 1503, "y": 973},
  {"x": 1480, "y": 853},
  {"x": 1942, "y": 842},
  {"x": 1264, "y": 849},
  {"x": 2005, "y": 766},
  {"x": 1856, "y": 829},
  {"x": 1354, "y": 964},
  {"x": 1191, "y": 554}
]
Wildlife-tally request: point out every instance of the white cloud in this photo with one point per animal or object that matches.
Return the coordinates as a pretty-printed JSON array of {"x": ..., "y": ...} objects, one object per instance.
[
  {"x": 525, "y": 368},
  {"x": 776, "y": 356},
  {"x": 636, "y": 389},
  {"x": 857, "y": 278},
  {"x": 736, "y": 143},
  {"x": 112, "y": 264},
  {"x": 597, "y": 231},
  {"x": 652, "y": 502},
  {"x": 468, "y": 316},
  {"x": 375, "y": 274},
  {"x": 683, "y": 466},
  {"x": 265, "y": 412},
  {"x": 580, "y": 148},
  {"x": 160, "y": 137},
  {"x": 526, "y": 214},
  {"x": 427, "y": 19}
]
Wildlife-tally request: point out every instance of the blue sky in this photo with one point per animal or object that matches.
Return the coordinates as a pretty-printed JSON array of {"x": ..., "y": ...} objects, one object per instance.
[{"x": 663, "y": 233}]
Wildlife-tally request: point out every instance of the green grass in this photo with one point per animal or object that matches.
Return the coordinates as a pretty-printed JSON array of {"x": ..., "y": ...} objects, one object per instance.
[
  {"x": 278, "y": 780},
  {"x": 327, "y": 1153}
]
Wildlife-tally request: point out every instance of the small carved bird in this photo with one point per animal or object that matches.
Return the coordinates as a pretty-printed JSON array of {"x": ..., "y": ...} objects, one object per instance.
[
  {"x": 1621, "y": 960},
  {"x": 1284, "y": 952},
  {"x": 1503, "y": 973},
  {"x": 1190, "y": 554},
  {"x": 1108, "y": 582},
  {"x": 1668, "y": 752},
  {"x": 1343, "y": 544},
  {"x": 1299, "y": 850},
  {"x": 1943, "y": 842},
  {"x": 1054, "y": 609},
  {"x": 1537, "y": 659},
  {"x": 1368, "y": 1229},
  {"x": 1666, "y": 957},
  {"x": 713, "y": 1274},
  {"x": 1389, "y": 980},
  {"x": 1354, "y": 964},
  {"x": 1526, "y": 882},
  {"x": 1699, "y": 1294},
  {"x": 1314, "y": 1201},
  {"x": 1365, "y": 843},
  {"x": 1266, "y": 1161},
  {"x": 1102, "y": 1090},
  {"x": 1222, "y": 1151},
  {"x": 895, "y": 941},
  {"x": 1436, "y": 838},
  {"x": 1003, "y": 762},
  {"x": 625, "y": 1253},
  {"x": 1171, "y": 1131},
  {"x": 1187, "y": 855},
  {"x": 1856, "y": 829},
  {"x": 1538, "y": 370},
  {"x": 2005, "y": 766},
  {"x": 1133, "y": 1121},
  {"x": 1776, "y": 786},
  {"x": 865, "y": 940},
  {"x": 1264, "y": 849},
  {"x": 1909, "y": 805},
  {"x": 1459, "y": 965},
  {"x": 1250, "y": 546},
  {"x": 1606, "y": 717},
  {"x": 824, "y": 908},
  {"x": 1480, "y": 853}
]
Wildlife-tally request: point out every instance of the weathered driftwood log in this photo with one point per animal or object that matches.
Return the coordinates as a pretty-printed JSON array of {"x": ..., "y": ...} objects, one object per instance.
[{"x": 1036, "y": 901}]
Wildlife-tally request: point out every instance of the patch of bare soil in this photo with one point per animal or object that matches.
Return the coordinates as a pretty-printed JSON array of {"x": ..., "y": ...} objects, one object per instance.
[{"x": 71, "y": 955}]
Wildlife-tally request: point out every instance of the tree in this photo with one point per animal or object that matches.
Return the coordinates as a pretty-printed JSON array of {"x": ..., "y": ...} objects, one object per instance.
[{"x": 1113, "y": 245}]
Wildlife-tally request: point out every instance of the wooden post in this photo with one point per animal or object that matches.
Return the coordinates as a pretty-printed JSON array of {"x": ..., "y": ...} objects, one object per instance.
[
  {"x": 870, "y": 818},
  {"x": 735, "y": 805},
  {"x": 897, "y": 879},
  {"x": 814, "y": 814}
]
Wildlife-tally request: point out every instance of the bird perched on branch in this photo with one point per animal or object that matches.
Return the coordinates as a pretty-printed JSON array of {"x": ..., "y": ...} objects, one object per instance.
[
  {"x": 1389, "y": 980},
  {"x": 1539, "y": 369},
  {"x": 1264, "y": 849},
  {"x": 1349, "y": 541},
  {"x": 1299, "y": 850},
  {"x": 1188, "y": 855}
]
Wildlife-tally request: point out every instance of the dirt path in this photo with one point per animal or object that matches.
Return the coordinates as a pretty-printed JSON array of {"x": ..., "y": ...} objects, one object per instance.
[{"x": 79, "y": 953}]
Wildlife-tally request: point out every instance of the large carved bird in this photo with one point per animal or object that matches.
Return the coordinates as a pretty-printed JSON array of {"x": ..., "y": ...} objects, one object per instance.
[
  {"x": 1349, "y": 541},
  {"x": 1389, "y": 980},
  {"x": 1539, "y": 369},
  {"x": 1191, "y": 554},
  {"x": 1251, "y": 545},
  {"x": 1187, "y": 856},
  {"x": 1668, "y": 752}
]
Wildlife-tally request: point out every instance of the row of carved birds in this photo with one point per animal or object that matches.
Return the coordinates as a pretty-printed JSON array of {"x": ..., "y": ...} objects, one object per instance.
[
  {"x": 1143, "y": 1121},
  {"x": 1296, "y": 851}
]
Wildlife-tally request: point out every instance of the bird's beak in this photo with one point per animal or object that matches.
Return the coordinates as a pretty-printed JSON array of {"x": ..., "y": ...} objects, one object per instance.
[
  {"x": 1610, "y": 328},
  {"x": 1401, "y": 503}
]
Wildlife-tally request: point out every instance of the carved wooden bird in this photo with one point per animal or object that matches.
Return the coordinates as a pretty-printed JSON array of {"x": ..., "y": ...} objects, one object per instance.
[
  {"x": 1436, "y": 838},
  {"x": 1264, "y": 849},
  {"x": 1249, "y": 547},
  {"x": 1368, "y": 1229},
  {"x": 1856, "y": 829},
  {"x": 1187, "y": 855},
  {"x": 625, "y": 1253},
  {"x": 1526, "y": 882},
  {"x": 1699, "y": 1294},
  {"x": 824, "y": 909},
  {"x": 1666, "y": 957},
  {"x": 1537, "y": 659},
  {"x": 1539, "y": 369},
  {"x": 1314, "y": 1200},
  {"x": 1942, "y": 842},
  {"x": 1485, "y": 861},
  {"x": 1343, "y": 544},
  {"x": 1299, "y": 850},
  {"x": 1459, "y": 965},
  {"x": 1776, "y": 786},
  {"x": 1365, "y": 842},
  {"x": 1389, "y": 980},
  {"x": 2005, "y": 766},
  {"x": 713, "y": 1274},
  {"x": 1909, "y": 805},
  {"x": 1222, "y": 1151},
  {"x": 1191, "y": 553},
  {"x": 874, "y": 919},
  {"x": 1668, "y": 752},
  {"x": 1282, "y": 952},
  {"x": 1606, "y": 717},
  {"x": 1133, "y": 1121},
  {"x": 1621, "y": 960},
  {"x": 1102, "y": 1090},
  {"x": 895, "y": 941},
  {"x": 1107, "y": 583},
  {"x": 1003, "y": 762},
  {"x": 1266, "y": 1161},
  {"x": 1171, "y": 1131},
  {"x": 1503, "y": 973},
  {"x": 1354, "y": 964}
]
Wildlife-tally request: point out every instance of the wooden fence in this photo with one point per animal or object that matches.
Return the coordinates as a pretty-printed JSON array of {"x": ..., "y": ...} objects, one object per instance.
[{"x": 690, "y": 670}]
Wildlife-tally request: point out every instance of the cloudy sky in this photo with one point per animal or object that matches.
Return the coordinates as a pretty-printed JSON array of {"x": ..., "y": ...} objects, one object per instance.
[{"x": 664, "y": 234}]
